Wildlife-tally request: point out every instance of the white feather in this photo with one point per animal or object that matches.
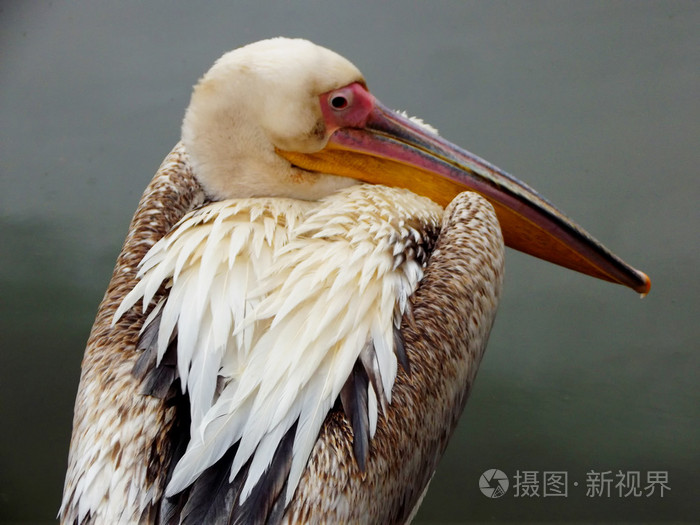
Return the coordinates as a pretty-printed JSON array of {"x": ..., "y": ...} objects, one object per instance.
[
  {"x": 277, "y": 298},
  {"x": 372, "y": 410},
  {"x": 152, "y": 315}
]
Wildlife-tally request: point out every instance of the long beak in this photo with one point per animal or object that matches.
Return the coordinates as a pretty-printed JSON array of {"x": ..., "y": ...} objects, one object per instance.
[{"x": 393, "y": 150}]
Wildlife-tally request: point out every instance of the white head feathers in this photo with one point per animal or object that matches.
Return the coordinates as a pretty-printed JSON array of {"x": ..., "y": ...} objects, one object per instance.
[{"x": 255, "y": 99}]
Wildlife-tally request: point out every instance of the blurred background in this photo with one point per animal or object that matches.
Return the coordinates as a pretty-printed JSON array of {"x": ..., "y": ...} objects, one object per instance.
[{"x": 595, "y": 104}]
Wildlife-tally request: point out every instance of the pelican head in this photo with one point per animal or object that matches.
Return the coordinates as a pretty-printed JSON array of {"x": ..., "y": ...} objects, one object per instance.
[
  {"x": 258, "y": 99},
  {"x": 287, "y": 118}
]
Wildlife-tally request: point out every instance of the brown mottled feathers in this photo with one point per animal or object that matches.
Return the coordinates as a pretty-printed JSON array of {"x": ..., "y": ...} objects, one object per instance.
[
  {"x": 171, "y": 194},
  {"x": 348, "y": 478}
]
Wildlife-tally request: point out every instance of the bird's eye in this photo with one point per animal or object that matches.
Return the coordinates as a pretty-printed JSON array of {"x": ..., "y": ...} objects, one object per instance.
[{"x": 339, "y": 101}]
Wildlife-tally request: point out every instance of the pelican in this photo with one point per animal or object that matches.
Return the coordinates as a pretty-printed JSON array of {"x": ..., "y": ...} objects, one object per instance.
[{"x": 300, "y": 307}]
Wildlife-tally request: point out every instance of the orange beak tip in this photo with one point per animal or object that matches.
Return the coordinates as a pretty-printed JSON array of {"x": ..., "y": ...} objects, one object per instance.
[{"x": 644, "y": 291}]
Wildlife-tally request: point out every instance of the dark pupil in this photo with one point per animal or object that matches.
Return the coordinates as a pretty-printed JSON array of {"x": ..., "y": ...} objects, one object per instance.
[{"x": 339, "y": 102}]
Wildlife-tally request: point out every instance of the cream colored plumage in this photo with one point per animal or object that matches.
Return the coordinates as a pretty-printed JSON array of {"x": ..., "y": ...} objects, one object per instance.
[{"x": 275, "y": 299}]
